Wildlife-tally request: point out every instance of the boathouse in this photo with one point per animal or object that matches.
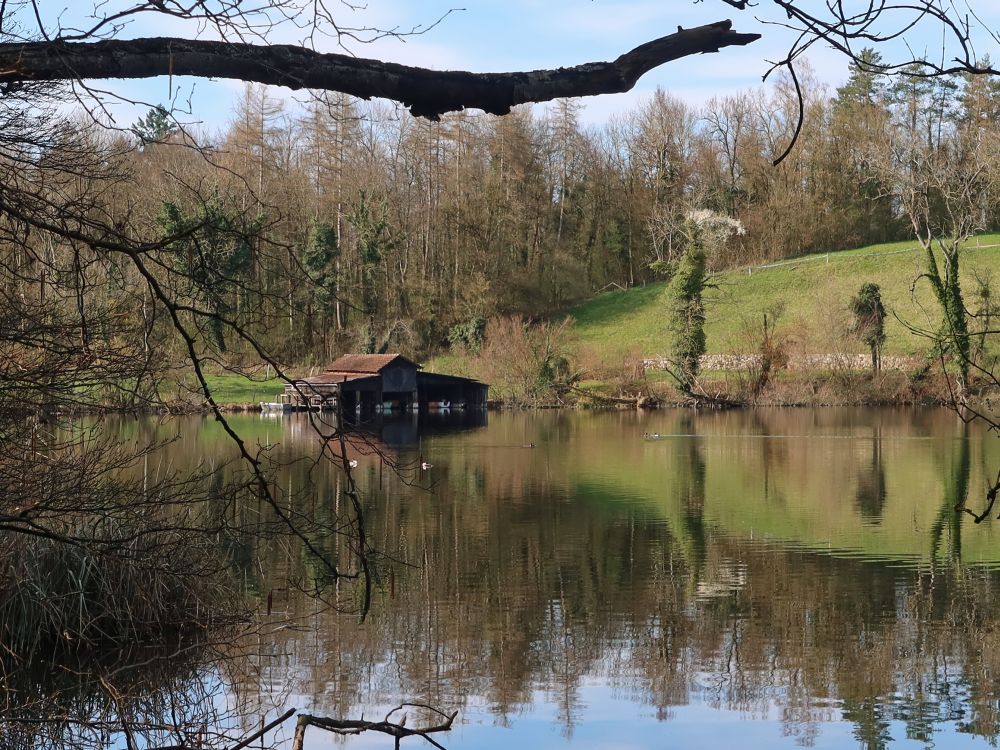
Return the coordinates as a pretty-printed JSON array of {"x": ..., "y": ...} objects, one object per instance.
[{"x": 386, "y": 381}]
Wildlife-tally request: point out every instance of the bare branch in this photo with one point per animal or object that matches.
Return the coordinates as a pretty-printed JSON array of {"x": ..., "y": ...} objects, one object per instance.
[
  {"x": 427, "y": 93},
  {"x": 397, "y": 730}
]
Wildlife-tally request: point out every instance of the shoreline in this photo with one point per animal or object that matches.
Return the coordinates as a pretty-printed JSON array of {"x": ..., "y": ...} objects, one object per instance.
[{"x": 714, "y": 390}]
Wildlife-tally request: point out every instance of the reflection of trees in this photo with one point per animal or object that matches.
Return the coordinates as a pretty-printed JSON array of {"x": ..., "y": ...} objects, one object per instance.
[
  {"x": 870, "y": 494},
  {"x": 956, "y": 489},
  {"x": 691, "y": 489},
  {"x": 116, "y": 599},
  {"x": 158, "y": 694},
  {"x": 871, "y": 728},
  {"x": 519, "y": 586}
]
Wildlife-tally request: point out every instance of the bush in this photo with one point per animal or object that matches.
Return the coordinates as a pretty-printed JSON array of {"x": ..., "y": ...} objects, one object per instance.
[
  {"x": 469, "y": 334},
  {"x": 766, "y": 353},
  {"x": 525, "y": 364}
]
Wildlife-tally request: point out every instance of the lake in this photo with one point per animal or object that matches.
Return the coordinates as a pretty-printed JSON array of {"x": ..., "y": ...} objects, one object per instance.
[{"x": 761, "y": 578}]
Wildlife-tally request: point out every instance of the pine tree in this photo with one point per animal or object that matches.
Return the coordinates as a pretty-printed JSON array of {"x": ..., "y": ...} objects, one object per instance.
[
  {"x": 156, "y": 127},
  {"x": 979, "y": 101},
  {"x": 866, "y": 86}
]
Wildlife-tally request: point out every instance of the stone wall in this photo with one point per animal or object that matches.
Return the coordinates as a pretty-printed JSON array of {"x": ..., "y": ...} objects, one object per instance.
[{"x": 802, "y": 363}]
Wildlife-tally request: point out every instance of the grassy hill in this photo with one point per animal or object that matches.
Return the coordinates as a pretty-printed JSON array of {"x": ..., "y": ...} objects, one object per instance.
[{"x": 812, "y": 294}]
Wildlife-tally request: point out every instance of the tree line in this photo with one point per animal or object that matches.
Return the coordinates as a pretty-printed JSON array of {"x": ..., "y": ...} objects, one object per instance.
[{"x": 346, "y": 225}]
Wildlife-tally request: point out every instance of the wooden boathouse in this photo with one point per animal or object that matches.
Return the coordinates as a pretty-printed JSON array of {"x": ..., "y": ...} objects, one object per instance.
[{"x": 385, "y": 382}]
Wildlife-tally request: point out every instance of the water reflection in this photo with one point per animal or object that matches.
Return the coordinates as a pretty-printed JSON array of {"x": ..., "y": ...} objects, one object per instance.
[
  {"x": 155, "y": 695},
  {"x": 871, "y": 492},
  {"x": 390, "y": 429},
  {"x": 802, "y": 571}
]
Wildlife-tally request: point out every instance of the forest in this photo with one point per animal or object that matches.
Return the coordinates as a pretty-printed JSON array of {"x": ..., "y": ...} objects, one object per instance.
[{"x": 340, "y": 225}]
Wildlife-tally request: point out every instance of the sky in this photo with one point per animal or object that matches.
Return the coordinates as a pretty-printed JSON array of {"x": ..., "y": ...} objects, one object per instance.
[{"x": 501, "y": 35}]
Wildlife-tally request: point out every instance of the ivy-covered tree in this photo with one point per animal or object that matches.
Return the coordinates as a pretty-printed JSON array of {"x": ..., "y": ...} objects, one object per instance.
[
  {"x": 468, "y": 334},
  {"x": 869, "y": 321},
  {"x": 214, "y": 252},
  {"x": 706, "y": 233},
  {"x": 686, "y": 315},
  {"x": 319, "y": 260}
]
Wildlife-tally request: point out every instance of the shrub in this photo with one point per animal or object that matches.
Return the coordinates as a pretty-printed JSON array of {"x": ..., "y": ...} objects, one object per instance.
[
  {"x": 469, "y": 334},
  {"x": 767, "y": 352},
  {"x": 869, "y": 321},
  {"x": 526, "y": 364}
]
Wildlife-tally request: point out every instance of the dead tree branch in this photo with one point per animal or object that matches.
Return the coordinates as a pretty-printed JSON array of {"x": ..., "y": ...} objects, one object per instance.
[
  {"x": 991, "y": 498},
  {"x": 397, "y": 730},
  {"x": 426, "y": 93}
]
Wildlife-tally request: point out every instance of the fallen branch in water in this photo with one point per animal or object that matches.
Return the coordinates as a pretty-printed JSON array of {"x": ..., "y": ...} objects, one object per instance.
[
  {"x": 245, "y": 742},
  {"x": 397, "y": 730},
  {"x": 638, "y": 402},
  {"x": 991, "y": 496}
]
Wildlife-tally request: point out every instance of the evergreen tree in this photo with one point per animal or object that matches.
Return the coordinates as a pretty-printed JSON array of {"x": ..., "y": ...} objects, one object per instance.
[
  {"x": 979, "y": 101},
  {"x": 156, "y": 127},
  {"x": 374, "y": 241},
  {"x": 869, "y": 321},
  {"x": 925, "y": 104},
  {"x": 319, "y": 260},
  {"x": 866, "y": 84},
  {"x": 213, "y": 250}
]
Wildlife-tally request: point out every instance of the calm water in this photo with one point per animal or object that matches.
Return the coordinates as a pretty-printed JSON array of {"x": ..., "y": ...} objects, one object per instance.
[{"x": 774, "y": 578}]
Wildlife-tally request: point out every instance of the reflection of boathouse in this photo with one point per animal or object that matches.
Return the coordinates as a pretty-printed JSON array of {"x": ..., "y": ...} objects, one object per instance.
[{"x": 392, "y": 381}]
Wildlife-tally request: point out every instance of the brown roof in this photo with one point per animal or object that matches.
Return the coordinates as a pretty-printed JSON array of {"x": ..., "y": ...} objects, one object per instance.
[
  {"x": 367, "y": 363},
  {"x": 331, "y": 376}
]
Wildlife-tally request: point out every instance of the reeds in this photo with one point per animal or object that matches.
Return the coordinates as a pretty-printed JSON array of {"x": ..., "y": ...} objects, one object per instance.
[{"x": 56, "y": 596}]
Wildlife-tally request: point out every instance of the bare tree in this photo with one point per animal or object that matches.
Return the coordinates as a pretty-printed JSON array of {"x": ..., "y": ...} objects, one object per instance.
[{"x": 946, "y": 193}]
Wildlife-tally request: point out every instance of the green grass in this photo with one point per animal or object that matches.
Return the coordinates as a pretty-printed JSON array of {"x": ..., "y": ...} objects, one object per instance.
[
  {"x": 813, "y": 291},
  {"x": 230, "y": 388}
]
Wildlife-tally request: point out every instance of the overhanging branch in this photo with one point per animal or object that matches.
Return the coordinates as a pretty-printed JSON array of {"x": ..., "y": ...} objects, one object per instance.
[{"x": 427, "y": 93}]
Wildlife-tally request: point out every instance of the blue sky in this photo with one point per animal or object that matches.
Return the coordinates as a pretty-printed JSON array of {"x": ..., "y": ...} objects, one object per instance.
[{"x": 496, "y": 35}]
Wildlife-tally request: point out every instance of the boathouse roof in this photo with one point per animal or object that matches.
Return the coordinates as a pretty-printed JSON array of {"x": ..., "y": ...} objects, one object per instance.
[
  {"x": 366, "y": 363},
  {"x": 336, "y": 376}
]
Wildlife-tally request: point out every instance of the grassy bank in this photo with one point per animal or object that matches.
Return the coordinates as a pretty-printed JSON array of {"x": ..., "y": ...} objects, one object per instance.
[
  {"x": 228, "y": 389},
  {"x": 807, "y": 301},
  {"x": 812, "y": 294},
  {"x": 808, "y": 297}
]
